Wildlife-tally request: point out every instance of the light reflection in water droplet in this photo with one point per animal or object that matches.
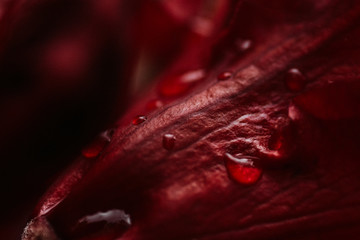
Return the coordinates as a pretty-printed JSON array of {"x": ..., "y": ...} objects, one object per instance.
[
  {"x": 139, "y": 119},
  {"x": 295, "y": 80},
  {"x": 242, "y": 169},
  {"x": 224, "y": 76},
  {"x": 169, "y": 141}
]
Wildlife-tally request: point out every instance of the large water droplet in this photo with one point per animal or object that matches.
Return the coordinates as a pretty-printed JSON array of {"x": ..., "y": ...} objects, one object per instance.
[
  {"x": 169, "y": 141},
  {"x": 139, "y": 119},
  {"x": 224, "y": 76},
  {"x": 154, "y": 104},
  {"x": 295, "y": 80},
  {"x": 94, "y": 148},
  {"x": 178, "y": 85},
  {"x": 242, "y": 169}
]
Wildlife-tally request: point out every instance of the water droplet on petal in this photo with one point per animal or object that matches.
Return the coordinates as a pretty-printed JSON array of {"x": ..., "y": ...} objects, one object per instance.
[
  {"x": 242, "y": 169},
  {"x": 178, "y": 85},
  {"x": 94, "y": 148},
  {"x": 192, "y": 76},
  {"x": 154, "y": 104},
  {"x": 295, "y": 80},
  {"x": 139, "y": 119},
  {"x": 169, "y": 141},
  {"x": 224, "y": 76}
]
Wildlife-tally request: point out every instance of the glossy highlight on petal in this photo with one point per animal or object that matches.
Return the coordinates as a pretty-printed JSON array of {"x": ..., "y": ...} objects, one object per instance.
[
  {"x": 180, "y": 84},
  {"x": 154, "y": 104}
]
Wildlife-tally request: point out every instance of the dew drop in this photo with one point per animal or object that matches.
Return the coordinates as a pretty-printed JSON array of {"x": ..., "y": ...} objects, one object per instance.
[
  {"x": 139, "y": 119},
  {"x": 94, "y": 148},
  {"x": 224, "y": 76},
  {"x": 242, "y": 169},
  {"x": 179, "y": 84},
  {"x": 154, "y": 104},
  {"x": 295, "y": 80},
  {"x": 169, "y": 141}
]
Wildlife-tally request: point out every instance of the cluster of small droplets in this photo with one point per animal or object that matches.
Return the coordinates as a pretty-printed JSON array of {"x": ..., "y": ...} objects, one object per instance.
[{"x": 178, "y": 85}]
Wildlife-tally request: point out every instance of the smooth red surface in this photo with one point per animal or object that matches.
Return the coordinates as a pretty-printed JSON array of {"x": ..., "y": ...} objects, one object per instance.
[
  {"x": 154, "y": 104},
  {"x": 174, "y": 87},
  {"x": 179, "y": 84}
]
